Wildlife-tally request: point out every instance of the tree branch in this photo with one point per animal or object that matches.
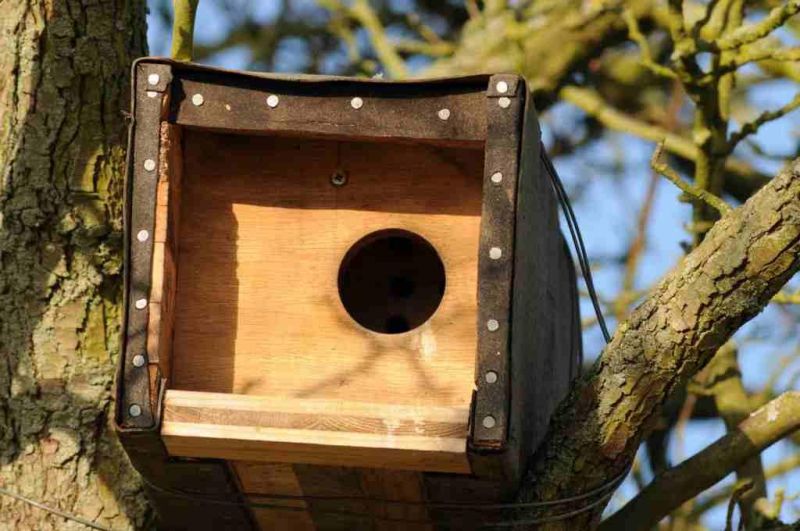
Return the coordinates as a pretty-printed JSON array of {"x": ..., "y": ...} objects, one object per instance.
[
  {"x": 741, "y": 182},
  {"x": 782, "y": 467},
  {"x": 743, "y": 261},
  {"x": 385, "y": 50},
  {"x": 636, "y": 36},
  {"x": 764, "y": 427},
  {"x": 183, "y": 29},
  {"x": 724, "y": 382},
  {"x": 765, "y": 117},
  {"x": 759, "y": 30},
  {"x": 698, "y": 193}
]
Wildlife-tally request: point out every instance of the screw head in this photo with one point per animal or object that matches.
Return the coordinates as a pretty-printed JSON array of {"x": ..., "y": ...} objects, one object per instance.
[
  {"x": 198, "y": 100},
  {"x": 495, "y": 253},
  {"x": 135, "y": 410},
  {"x": 489, "y": 422},
  {"x": 497, "y": 177},
  {"x": 138, "y": 360},
  {"x": 140, "y": 304},
  {"x": 339, "y": 178},
  {"x": 356, "y": 103},
  {"x": 502, "y": 87},
  {"x": 444, "y": 114},
  {"x": 505, "y": 103},
  {"x": 490, "y": 377},
  {"x": 142, "y": 235},
  {"x": 273, "y": 101},
  {"x": 149, "y": 165},
  {"x": 492, "y": 325},
  {"x": 153, "y": 79}
]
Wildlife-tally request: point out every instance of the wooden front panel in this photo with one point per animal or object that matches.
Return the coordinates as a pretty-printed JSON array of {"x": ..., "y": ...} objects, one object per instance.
[{"x": 263, "y": 233}]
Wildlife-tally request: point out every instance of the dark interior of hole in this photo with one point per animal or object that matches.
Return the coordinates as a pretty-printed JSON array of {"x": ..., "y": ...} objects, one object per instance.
[{"x": 391, "y": 281}]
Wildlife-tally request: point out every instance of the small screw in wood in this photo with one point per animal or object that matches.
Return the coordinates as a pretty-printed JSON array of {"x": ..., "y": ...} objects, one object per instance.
[{"x": 339, "y": 178}]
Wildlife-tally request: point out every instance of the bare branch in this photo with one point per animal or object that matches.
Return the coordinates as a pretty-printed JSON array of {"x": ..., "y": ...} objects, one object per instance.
[
  {"x": 183, "y": 29},
  {"x": 782, "y": 467},
  {"x": 699, "y": 194},
  {"x": 675, "y": 18},
  {"x": 724, "y": 381},
  {"x": 739, "y": 490},
  {"x": 743, "y": 261},
  {"x": 636, "y": 35},
  {"x": 385, "y": 50},
  {"x": 592, "y": 104},
  {"x": 754, "y": 32},
  {"x": 743, "y": 180},
  {"x": 765, "y": 117},
  {"x": 764, "y": 427},
  {"x": 787, "y": 298}
]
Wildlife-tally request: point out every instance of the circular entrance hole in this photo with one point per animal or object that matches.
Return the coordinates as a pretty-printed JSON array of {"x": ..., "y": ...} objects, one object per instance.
[{"x": 391, "y": 281}]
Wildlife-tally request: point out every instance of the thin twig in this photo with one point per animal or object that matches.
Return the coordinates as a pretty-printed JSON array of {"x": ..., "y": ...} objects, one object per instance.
[
  {"x": 698, "y": 193},
  {"x": 765, "y": 117},
  {"x": 739, "y": 490}
]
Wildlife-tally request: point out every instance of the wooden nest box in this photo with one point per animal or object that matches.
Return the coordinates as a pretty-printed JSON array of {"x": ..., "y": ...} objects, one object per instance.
[{"x": 335, "y": 272}]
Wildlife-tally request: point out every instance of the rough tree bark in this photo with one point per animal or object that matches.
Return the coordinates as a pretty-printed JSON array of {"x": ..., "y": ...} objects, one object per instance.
[
  {"x": 744, "y": 260},
  {"x": 64, "y": 74}
]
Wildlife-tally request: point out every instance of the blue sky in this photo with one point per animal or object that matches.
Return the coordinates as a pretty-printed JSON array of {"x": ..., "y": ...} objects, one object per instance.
[{"x": 607, "y": 211}]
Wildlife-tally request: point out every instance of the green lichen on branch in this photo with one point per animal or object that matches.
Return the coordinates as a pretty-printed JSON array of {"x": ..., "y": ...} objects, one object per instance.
[{"x": 183, "y": 21}]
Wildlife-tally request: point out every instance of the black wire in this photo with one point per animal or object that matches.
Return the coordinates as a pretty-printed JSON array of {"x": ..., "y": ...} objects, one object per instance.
[
  {"x": 577, "y": 240},
  {"x": 611, "y": 484},
  {"x": 500, "y": 523}
]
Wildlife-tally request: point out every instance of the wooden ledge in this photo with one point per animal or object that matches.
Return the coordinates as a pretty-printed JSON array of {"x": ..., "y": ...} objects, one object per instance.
[{"x": 325, "y": 432}]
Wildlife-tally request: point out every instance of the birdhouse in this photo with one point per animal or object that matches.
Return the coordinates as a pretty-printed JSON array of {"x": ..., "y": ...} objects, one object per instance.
[{"x": 334, "y": 278}]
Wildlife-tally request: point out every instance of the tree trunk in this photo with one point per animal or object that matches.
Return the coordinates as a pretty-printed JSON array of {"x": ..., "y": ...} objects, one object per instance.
[{"x": 64, "y": 74}]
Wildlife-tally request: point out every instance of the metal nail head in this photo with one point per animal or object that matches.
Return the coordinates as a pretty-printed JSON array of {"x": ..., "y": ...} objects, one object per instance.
[
  {"x": 492, "y": 325},
  {"x": 497, "y": 177},
  {"x": 142, "y": 235},
  {"x": 138, "y": 360},
  {"x": 149, "y": 165},
  {"x": 140, "y": 304},
  {"x": 489, "y": 422},
  {"x": 502, "y": 87},
  {"x": 505, "y": 103},
  {"x": 491, "y": 377},
  {"x": 495, "y": 253},
  {"x": 135, "y": 410},
  {"x": 444, "y": 114},
  {"x": 273, "y": 101},
  {"x": 198, "y": 100},
  {"x": 153, "y": 79},
  {"x": 339, "y": 178},
  {"x": 356, "y": 103}
]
